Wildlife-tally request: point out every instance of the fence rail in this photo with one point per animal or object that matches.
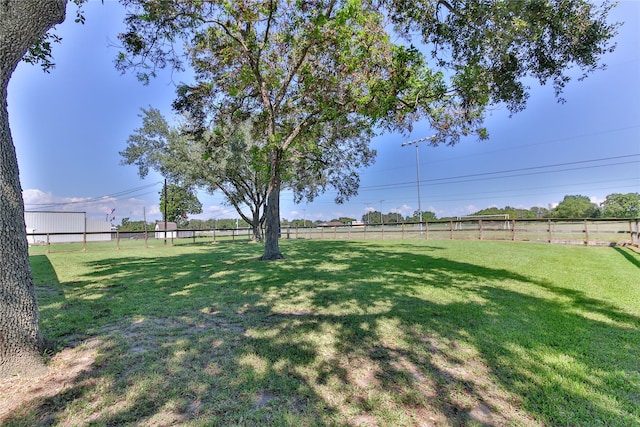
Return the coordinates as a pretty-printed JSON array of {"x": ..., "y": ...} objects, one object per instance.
[{"x": 600, "y": 231}]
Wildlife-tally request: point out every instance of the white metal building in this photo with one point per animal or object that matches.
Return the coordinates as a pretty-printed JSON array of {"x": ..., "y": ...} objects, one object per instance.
[
  {"x": 172, "y": 231},
  {"x": 40, "y": 223}
]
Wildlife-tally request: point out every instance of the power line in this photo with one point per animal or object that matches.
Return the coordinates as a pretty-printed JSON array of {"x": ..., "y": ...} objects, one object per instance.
[
  {"x": 517, "y": 147},
  {"x": 486, "y": 175},
  {"x": 520, "y": 195},
  {"x": 110, "y": 197},
  {"x": 534, "y": 144},
  {"x": 521, "y": 191},
  {"x": 535, "y": 167}
]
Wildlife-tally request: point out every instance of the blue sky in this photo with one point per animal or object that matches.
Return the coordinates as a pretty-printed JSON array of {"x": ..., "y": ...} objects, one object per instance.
[{"x": 69, "y": 125}]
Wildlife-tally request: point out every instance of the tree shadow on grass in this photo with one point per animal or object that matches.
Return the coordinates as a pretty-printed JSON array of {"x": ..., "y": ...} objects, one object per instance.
[
  {"x": 342, "y": 333},
  {"x": 632, "y": 256},
  {"x": 59, "y": 315},
  {"x": 529, "y": 333}
]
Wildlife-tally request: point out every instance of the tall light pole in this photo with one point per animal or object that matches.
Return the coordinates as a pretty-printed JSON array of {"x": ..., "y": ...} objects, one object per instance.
[
  {"x": 165, "y": 211},
  {"x": 416, "y": 143}
]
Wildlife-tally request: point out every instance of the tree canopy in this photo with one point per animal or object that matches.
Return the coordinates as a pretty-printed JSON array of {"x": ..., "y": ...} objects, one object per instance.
[
  {"x": 320, "y": 76},
  {"x": 619, "y": 205},
  {"x": 575, "y": 206},
  {"x": 514, "y": 213},
  {"x": 225, "y": 159},
  {"x": 178, "y": 204},
  {"x": 426, "y": 216},
  {"x": 127, "y": 225}
]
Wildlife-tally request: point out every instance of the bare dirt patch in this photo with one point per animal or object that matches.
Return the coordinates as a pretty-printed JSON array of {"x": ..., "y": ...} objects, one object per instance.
[{"x": 62, "y": 372}]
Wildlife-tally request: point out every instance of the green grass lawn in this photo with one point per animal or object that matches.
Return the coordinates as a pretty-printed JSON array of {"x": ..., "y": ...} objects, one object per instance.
[{"x": 384, "y": 333}]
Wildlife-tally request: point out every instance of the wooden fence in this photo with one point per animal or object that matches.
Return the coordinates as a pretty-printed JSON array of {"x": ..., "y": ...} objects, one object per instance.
[{"x": 593, "y": 231}]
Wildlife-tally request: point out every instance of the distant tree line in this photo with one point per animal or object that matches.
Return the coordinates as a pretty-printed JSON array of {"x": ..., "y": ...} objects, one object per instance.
[
  {"x": 219, "y": 224},
  {"x": 615, "y": 205},
  {"x": 127, "y": 225}
]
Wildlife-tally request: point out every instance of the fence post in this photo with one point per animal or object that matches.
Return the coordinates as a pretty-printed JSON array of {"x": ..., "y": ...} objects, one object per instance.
[
  {"x": 48, "y": 242},
  {"x": 117, "y": 239},
  {"x": 426, "y": 231},
  {"x": 634, "y": 233},
  {"x": 480, "y": 227},
  {"x": 84, "y": 240},
  {"x": 549, "y": 229},
  {"x": 513, "y": 230},
  {"x": 586, "y": 232},
  {"x": 451, "y": 229}
]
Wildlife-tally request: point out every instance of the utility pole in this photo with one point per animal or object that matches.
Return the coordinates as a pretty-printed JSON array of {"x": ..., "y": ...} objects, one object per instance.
[
  {"x": 165, "y": 211},
  {"x": 144, "y": 217},
  {"x": 416, "y": 143}
]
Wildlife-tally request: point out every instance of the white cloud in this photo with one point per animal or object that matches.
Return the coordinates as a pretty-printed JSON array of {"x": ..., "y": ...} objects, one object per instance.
[
  {"x": 95, "y": 208},
  {"x": 405, "y": 210},
  {"x": 469, "y": 209},
  {"x": 154, "y": 210},
  {"x": 35, "y": 199},
  {"x": 216, "y": 211}
]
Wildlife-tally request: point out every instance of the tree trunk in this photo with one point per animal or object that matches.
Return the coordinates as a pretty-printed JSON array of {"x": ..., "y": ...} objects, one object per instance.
[
  {"x": 256, "y": 225},
  {"x": 272, "y": 221},
  {"x": 22, "y": 22}
]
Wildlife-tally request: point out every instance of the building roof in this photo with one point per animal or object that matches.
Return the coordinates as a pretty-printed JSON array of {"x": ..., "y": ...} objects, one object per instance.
[
  {"x": 170, "y": 226},
  {"x": 333, "y": 224}
]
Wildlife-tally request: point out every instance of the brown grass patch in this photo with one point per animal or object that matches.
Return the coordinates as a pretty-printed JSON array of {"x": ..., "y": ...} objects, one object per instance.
[{"x": 63, "y": 370}]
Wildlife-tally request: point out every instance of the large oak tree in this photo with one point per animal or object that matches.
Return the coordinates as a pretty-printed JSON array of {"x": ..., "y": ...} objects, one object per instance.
[
  {"x": 22, "y": 24},
  {"x": 308, "y": 68},
  {"x": 224, "y": 159},
  {"x": 319, "y": 75}
]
